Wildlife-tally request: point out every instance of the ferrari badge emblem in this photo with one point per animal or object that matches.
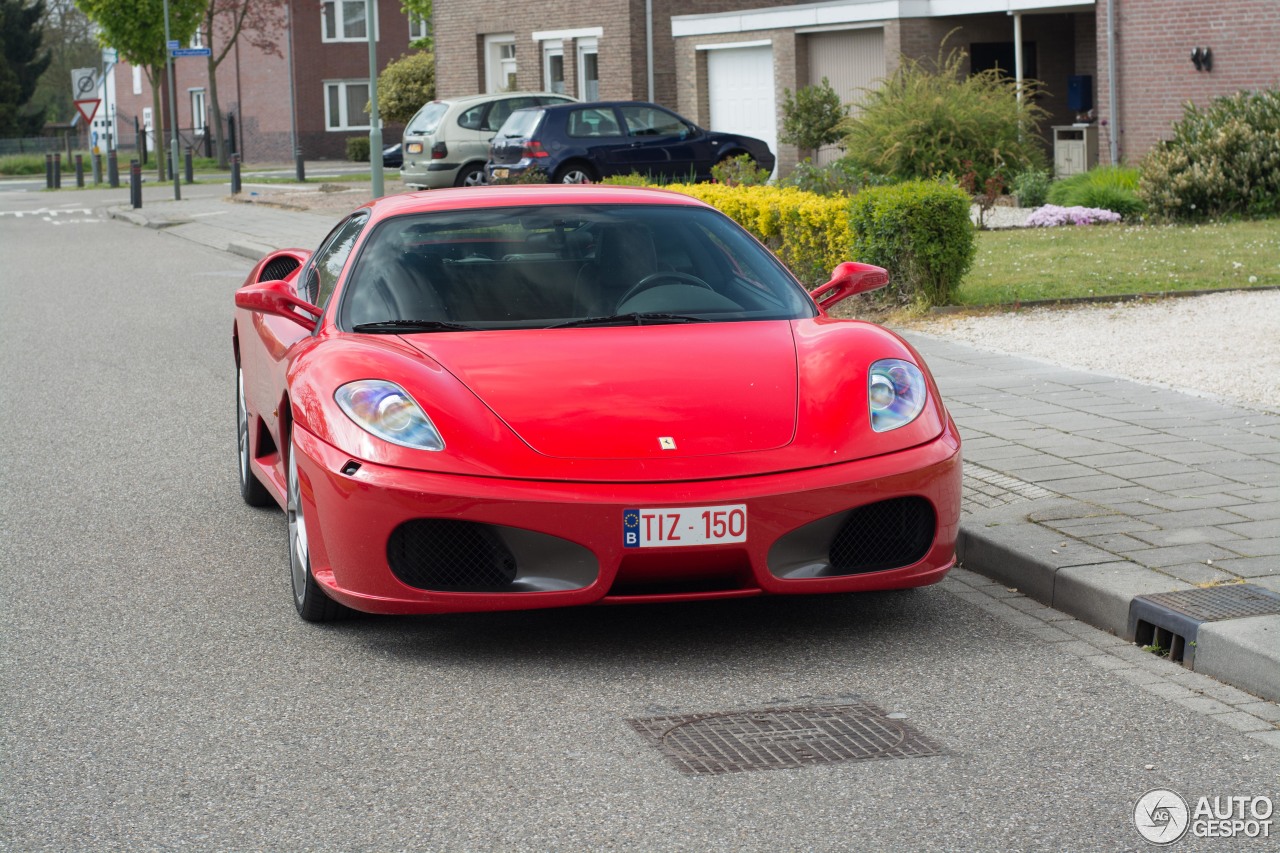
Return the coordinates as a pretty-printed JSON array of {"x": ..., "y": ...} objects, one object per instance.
[{"x": 666, "y": 442}]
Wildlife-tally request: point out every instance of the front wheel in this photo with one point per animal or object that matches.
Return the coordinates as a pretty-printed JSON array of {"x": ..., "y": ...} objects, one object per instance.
[{"x": 312, "y": 604}]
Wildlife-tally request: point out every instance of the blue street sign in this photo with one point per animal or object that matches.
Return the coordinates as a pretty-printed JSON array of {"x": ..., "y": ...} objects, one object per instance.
[
  {"x": 190, "y": 51},
  {"x": 173, "y": 45}
]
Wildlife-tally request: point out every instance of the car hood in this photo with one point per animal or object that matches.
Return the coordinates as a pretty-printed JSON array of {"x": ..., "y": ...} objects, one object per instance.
[{"x": 642, "y": 392}]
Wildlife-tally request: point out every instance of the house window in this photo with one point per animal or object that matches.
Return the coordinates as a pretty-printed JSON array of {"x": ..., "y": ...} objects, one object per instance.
[
  {"x": 344, "y": 103},
  {"x": 345, "y": 20},
  {"x": 419, "y": 28},
  {"x": 500, "y": 63},
  {"x": 197, "y": 40},
  {"x": 137, "y": 80},
  {"x": 588, "y": 70},
  {"x": 198, "y": 116},
  {"x": 553, "y": 67}
]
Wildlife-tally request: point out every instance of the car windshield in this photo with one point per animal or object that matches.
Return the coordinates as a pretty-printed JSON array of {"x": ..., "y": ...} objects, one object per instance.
[
  {"x": 427, "y": 119},
  {"x": 520, "y": 123},
  {"x": 569, "y": 266}
]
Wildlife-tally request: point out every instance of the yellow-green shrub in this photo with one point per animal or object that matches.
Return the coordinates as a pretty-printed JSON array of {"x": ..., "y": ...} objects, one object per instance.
[{"x": 809, "y": 233}]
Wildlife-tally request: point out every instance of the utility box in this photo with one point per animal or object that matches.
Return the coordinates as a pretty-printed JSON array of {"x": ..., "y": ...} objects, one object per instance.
[{"x": 1075, "y": 149}]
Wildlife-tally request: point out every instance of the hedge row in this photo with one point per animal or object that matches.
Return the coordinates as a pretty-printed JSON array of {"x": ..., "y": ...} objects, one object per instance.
[{"x": 920, "y": 231}]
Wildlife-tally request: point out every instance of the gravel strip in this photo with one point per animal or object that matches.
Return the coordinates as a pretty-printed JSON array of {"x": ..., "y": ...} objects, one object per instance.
[{"x": 1223, "y": 345}]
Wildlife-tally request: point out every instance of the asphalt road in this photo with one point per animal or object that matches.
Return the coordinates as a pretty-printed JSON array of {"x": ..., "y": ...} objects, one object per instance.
[{"x": 159, "y": 692}]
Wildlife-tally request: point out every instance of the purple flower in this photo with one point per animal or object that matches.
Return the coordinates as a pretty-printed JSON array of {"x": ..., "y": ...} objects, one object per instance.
[{"x": 1050, "y": 215}]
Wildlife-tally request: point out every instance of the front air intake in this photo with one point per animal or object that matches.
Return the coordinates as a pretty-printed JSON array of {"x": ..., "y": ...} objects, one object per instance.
[
  {"x": 885, "y": 535},
  {"x": 450, "y": 556}
]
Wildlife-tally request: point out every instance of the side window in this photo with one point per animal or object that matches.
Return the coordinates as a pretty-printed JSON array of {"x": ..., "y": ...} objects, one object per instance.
[
  {"x": 471, "y": 118},
  {"x": 650, "y": 121},
  {"x": 501, "y": 109},
  {"x": 593, "y": 121},
  {"x": 324, "y": 268}
]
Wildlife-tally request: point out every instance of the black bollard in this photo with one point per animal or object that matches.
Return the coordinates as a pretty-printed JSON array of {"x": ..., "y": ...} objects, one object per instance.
[
  {"x": 48, "y": 171},
  {"x": 187, "y": 165},
  {"x": 299, "y": 168},
  {"x": 135, "y": 184},
  {"x": 97, "y": 169},
  {"x": 80, "y": 170},
  {"x": 57, "y": 170},
  {"x": 113, "y": 169},
  {"x": 235, "y": 174}
]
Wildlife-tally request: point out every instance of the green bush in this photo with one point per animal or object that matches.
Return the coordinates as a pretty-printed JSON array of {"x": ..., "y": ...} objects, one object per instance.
[
  {"x": 1030, "y": 187},
  {"x": 812, "y": 118},
  {"x": 1222, "y": 161},
  {"x": 809, "y": 233},
  {"x": 405, "y": 85},
  {"x": 842, "y": 177},
  {"x": 358, "y": 149},
  {"x": 740, "y": 171},
  {"x": 921, "y": 233},
  {"x": 928, "y": 123},
  {"x": 1113, "y": 188}
]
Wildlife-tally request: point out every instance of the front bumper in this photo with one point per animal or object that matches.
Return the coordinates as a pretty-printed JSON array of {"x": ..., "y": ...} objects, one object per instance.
[{"x": 577, "y": 528}]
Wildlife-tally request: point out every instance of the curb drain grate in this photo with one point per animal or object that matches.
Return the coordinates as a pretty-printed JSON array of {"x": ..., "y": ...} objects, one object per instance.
[
  {"x": 781, "y": 738},
  {"x": 1172, "y": 620}
]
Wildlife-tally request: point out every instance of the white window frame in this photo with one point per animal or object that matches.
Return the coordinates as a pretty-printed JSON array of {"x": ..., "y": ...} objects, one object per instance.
[
  {"x": 419, "y": 28},
  {"x": 137, "y": 80},
  {"x": 199, "y": 114},
  {"x": 343, "y": 120},
  {"x": 340, "y": 22},
  {"x": 586, "y": 47},
  {"x": 197, "y": 39},
  {"x": 550, "y": 50},
  {"x": 495, "y": 64}
]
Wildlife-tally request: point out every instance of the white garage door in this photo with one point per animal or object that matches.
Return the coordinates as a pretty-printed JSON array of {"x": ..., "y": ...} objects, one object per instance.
[{"x": 740, "y": 90}]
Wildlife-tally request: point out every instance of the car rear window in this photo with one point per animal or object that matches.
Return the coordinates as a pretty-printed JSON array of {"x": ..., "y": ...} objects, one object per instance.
[
  {"x": 427, "y": 119},
  {"x": 544, "y": 266},
  {"x": 520, "y": 124}
]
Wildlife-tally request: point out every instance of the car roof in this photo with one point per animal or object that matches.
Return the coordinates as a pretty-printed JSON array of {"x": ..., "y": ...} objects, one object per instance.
[
  {"x": 515, "y": 195},
  {"x": 471, "y": 100}
]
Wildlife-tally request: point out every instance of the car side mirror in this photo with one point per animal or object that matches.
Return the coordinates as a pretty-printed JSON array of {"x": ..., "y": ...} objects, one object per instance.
[
  {"x": 848, "y": 279},
  {"x": 276, "y": 298}
]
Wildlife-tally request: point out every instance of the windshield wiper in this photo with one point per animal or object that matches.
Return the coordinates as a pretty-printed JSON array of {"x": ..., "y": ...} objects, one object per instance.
[
  {"x": 636, "y": 318},
  {"x": 395, "y": 327}
]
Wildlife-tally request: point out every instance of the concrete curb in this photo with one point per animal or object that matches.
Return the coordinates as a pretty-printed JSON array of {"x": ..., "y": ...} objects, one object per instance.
[
  {"x": 1098, "y": 587},
  {"x": 252, "y": 251}
]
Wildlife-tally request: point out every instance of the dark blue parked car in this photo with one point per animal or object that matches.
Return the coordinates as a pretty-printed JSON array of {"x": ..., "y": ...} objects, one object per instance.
[{"x": 580, "y": 143}]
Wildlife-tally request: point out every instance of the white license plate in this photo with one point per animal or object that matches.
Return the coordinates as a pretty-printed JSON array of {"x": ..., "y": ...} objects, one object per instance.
[
  {"x": 675, "y": 527},
  {"x": 500, "y": 173}
]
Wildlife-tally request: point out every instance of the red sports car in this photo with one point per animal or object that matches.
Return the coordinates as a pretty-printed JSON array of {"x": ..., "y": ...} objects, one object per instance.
[{"x": 519, "y": 397}]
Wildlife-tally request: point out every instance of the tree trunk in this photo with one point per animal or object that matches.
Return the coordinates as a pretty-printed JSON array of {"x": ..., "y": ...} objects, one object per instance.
[{"x": 215, "y": 111}]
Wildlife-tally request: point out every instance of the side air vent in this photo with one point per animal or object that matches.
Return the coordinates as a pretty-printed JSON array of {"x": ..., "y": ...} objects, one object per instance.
[
  {"x": 278, "y": 268},
  {"x": 450, "y": 556}
]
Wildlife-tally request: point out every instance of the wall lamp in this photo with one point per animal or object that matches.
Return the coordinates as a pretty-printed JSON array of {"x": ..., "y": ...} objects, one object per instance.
[{"x": 1202, "y": 58}]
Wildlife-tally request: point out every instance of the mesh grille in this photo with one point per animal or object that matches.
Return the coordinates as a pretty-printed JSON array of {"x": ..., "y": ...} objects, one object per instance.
[
  {"x": 885, "y": 535},
  {"x": 278, "y": 268},
  {"x": 445, "y": 554}
]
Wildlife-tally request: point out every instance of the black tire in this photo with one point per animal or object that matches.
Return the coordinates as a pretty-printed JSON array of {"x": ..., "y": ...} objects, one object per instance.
[
  {"x": 309, "y": 599},
  {"x": 251, "y": 488},
  {"x": 575, "y": 172},
  {"x": 470, "y": 175}
]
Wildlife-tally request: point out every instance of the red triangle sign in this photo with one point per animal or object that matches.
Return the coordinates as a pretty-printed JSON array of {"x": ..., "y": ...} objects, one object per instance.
[{"x": 88, "y": 109}]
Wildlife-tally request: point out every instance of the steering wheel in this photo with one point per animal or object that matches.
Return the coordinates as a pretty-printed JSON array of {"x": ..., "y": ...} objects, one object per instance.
[{"x": 651, "y": 279}]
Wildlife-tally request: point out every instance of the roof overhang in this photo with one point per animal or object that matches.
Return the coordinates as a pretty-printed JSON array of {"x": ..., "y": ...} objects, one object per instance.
[{"x": 855, "y": 12}]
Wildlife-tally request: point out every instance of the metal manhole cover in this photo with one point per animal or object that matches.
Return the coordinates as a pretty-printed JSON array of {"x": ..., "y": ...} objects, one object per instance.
[
  {"x": 1212, "y": 604},
  {"x": 779, "y": 738}
]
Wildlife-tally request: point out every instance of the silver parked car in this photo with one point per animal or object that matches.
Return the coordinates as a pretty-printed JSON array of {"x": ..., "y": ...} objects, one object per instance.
[{"x": 446, "y": 143}]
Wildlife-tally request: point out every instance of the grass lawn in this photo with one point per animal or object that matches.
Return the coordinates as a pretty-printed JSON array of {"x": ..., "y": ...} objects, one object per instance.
[{"x": 1027, "y": 264}]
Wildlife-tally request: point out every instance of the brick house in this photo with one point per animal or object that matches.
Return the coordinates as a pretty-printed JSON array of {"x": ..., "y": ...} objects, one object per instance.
[
  {"x": 326, "y": 58},
  {"x": 726, "y": 63}
]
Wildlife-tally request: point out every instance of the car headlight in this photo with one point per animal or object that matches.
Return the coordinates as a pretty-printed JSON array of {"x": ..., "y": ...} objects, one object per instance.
[
  {"x": 386, "y": 410},
  {"x": 896, "y": 391}
]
